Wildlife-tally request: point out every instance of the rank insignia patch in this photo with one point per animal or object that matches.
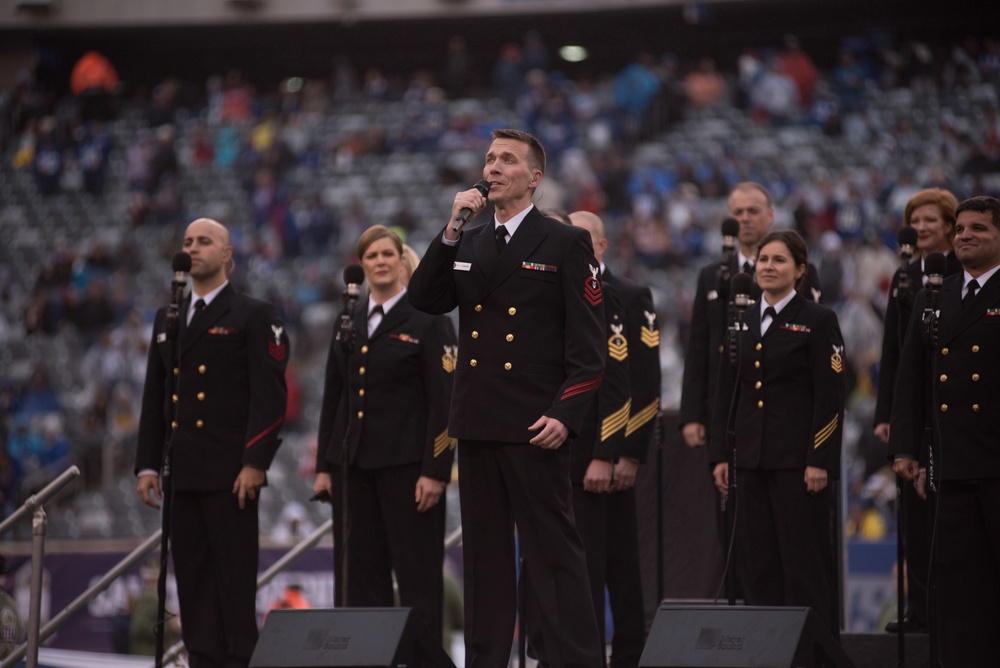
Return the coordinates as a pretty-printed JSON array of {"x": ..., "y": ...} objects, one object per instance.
[
  {"x": 617, "y": 345},
  {"x": 592, "y": 288},
  {"x": 276, "y": 348},
  {"x": 649, "y": 334},
  {"x": 837, "y": 359},
  {"x": 449, "y": 359}
]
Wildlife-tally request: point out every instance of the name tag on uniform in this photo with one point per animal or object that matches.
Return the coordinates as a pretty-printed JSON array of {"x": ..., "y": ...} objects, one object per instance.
[
  {"x": 712, "y": 295},
  {"x": 462, "y": 266},
  {"x": 161, "y": 337}
]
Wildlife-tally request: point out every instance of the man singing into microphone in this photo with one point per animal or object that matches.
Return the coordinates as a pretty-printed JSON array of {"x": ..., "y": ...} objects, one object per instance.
[
  {"x": 963, "y": 463},
  {"x": 530, "y": 359},
  {"x": 212, "y": 408}
]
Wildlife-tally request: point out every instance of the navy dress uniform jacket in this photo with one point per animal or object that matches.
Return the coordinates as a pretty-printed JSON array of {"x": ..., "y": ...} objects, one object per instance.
[
  {"x": 790, "y": 412},
  {"x": 961, "y": 373},
  {"x": 398, "y": 395},
  {"x": 224, "y": 405},
  {"x": 531, "y": 326}
]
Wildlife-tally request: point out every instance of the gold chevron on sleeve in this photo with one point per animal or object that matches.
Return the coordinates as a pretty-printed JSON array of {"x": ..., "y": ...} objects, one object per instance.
[
  {"x": 826, "y": 432},
  {"x": 651, "y": 337},
  {"x": 615, "y": 422},
  {"x": 442, "y": 442},
  {"x": 637, "y": 420}
]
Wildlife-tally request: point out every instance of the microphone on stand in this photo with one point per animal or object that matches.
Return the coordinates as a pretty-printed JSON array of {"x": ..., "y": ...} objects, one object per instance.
[
  {"x": 465, "y": 213},
  {"x": 935, "y": 265},
  {"x": 181, "y": 265},
  {"x": 730, "y": 231},
  {"x": 354, "y": 275},
  {"x": 742, "y": 287},
  {"x": 907, "y": 240}
]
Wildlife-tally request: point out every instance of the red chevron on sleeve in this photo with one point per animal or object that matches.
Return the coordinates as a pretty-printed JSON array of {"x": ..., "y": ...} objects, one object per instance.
[
  {"x": 264, "y": 433},
  {"x": 580, "y": 388}
]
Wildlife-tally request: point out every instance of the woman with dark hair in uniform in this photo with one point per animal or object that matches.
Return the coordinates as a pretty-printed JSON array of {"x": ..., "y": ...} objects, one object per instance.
[
  {"x": 387, "y": 401},
  {"x": 786, "y": 396}
]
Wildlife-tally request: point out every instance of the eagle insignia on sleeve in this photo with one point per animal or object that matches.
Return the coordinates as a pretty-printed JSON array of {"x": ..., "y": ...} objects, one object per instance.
[
  {"x": 837, "y": 359},
  {"x": 617, "y": 345},
  {"x": 449, "y": 360},
  {"x": 649, "y": 334},
  {"x": 276, "y": 348}
]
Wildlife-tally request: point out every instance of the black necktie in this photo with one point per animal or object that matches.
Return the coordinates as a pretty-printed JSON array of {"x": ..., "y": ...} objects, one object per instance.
[
  {"x": 774, "y": 316},
  {"x": 971, "y": 289},
  {"x": 378, "y": 310},
  {"x": 748, "y": 268},
  {"x": 501, "y": 238},
  {"x": 199, "y": 306}
]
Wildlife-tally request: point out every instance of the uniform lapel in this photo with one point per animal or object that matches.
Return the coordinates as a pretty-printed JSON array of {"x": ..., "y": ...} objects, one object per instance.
[
  {"x": 520, "y": 246},
  {"x": 954, "y": 318},
  {"x": 211, "y": 313},
  {"x": 389, "y": 320},
  {"x": 484, "y": 250}
]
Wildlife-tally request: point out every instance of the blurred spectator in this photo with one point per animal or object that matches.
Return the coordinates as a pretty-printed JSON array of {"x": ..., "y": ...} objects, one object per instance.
[
  {"x": 49, "y": 157},
  {"x": 774, "y": 98},
  {"x": 634, "y": 88},
  {"x": 458, "y": 74},
  {"x": 293, "y": 525},
  {"x": 507, "y": 73},
  {"x": 93, "y": 150},
  {"x": 800, "y": 68},
  {"x": 704, "y": 86},
  {"x": 93, "y": 81}
]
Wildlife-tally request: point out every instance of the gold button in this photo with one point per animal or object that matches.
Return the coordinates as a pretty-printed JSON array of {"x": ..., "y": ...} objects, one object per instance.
[
  {"x": 512, "y": 310},
  {"x": 944, "y": 408},
  {"x": 756, "y": 364},
  {"x": 507, "y": 366},
  {"x": 975, "y": 349},
  {"x": 201, "y": 396},
  {"x": 720, "y": 349},
  {"x": 361, "y": 371},
  {"x": 174, "y": 398},
  {"x": 361, "y": 392},
  {"x": 975, "y": 408},
  {"x": 759, "y": 346},
  {"x": 201, "y": 368},
  {"x": 944, "y": 351},
  {"x": 361, "y": 414},
  {"x": 177, "y": 371},
  {"x": 475, "y": 334},
  {"x": 757, "y": 385},
  {"x": 473, "y": 362},
  {"x": 975, "y": 377},
  {"x": 174, "y": 424},
  {"x": 364, "y": 350},
  {"x": 199, "y": 424},
  {"x": 944, "y": 377},
  {"x": 478, "y": 308},
  {"x": 509, "y": 337},
  {"x": 760, "y": 404}
]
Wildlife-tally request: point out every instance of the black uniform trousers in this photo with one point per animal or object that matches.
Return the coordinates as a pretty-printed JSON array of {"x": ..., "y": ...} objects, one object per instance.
[
  {"x": 624, "y": 581},
  {"x": 508, "y": 484},
  {"x": 214, "y": 549},
  {"x": 967, "y": 570},
  {"x": 386, "y": 535},
  {"x": 783, "y": 537}
]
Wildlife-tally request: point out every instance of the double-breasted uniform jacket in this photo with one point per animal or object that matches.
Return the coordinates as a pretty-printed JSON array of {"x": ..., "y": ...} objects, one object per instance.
[
  {"x": 223, "y": 404},
  {"x": 602, "y": 434},
  {"x": 707, "y": 340},
  {"x": 644, "y": 362},
  {"x": 897, "y": 317},
  {"x": 961, "y": 372},
  {"x": 790, "y": 412},
  {"x": 393, "y": 409},
  {"x": 531, "y": 326}
]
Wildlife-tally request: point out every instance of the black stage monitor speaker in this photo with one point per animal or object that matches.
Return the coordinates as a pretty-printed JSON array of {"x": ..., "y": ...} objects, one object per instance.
[
  {"x": 718, "y": 636},
  {"x": 347, "y": 638}
]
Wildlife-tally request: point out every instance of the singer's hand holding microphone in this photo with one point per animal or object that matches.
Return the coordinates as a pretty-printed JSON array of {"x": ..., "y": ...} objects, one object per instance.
[{"x": 468, "y": 204}]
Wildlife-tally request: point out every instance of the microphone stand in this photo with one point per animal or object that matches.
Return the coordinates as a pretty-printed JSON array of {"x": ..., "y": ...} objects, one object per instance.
[
  {"x": 931, "y": 432},
  {"x": 346, "y": 336},
  {"x": 735, "y": 352},
  {"x": 172, "y": 329}
]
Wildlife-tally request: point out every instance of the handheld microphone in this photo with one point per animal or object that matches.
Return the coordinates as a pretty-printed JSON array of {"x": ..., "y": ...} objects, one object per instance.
[
  {"x": 742, "y": 287},
  {"x": 354, "y": 275},
  {"x": 463, "y": 214},
  {"x": 730, "y": 230},
  {"x": 181, "y": 266},
  {"x": 907, "y": 239},
  {"x": 935, "y": 265}
]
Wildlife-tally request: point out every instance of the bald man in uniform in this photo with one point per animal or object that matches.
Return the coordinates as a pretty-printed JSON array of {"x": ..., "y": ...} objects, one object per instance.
[{"x": 212, "y": 408}]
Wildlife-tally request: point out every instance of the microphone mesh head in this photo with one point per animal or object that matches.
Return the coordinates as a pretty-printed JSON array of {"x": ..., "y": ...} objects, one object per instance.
[
  {"x": 907, "y": 237},
  {"x": 353, "y": 274},
  {"x": 181, "y": 262},
  {"x": 935, "y": 264},
  {"x": 483, "y": 187},
  {"x": 741, "y": 284},
  {"x": 730, "y": 227}
]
